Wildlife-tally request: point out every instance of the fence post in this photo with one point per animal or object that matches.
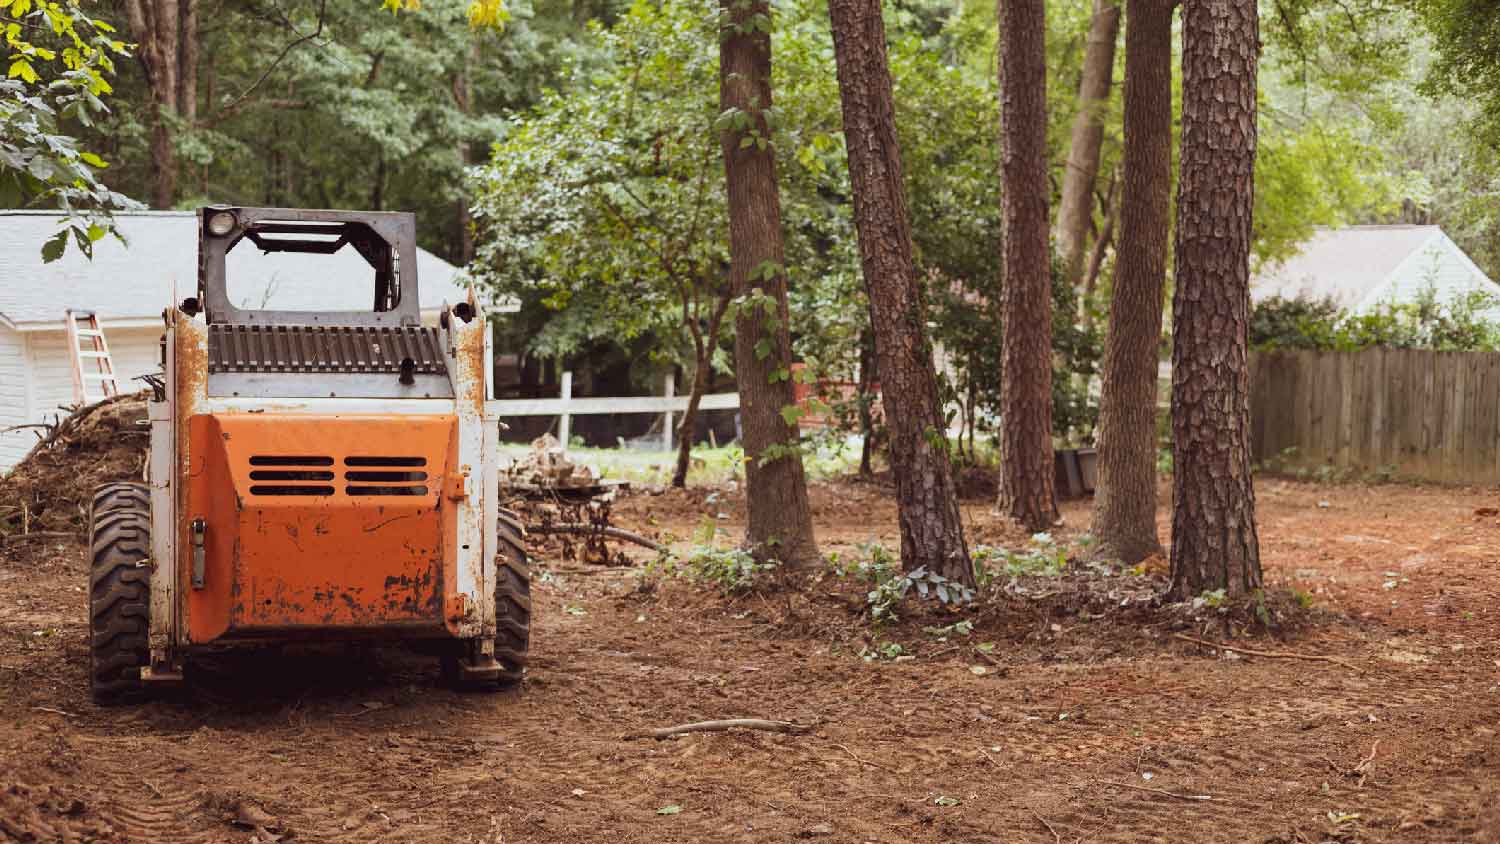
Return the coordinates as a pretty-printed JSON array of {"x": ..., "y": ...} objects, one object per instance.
[
  {"x": 669, "y": 389},
  {"x": 564, "y": 423}
]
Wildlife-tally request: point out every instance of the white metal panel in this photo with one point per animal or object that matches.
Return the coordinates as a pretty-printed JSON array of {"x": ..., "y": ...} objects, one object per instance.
[{"x": 13, "y": 399}]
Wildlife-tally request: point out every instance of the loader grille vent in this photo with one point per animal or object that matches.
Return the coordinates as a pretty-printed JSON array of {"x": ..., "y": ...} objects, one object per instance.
[
  {"x": 236, "y": 347},
  {"x": 279, "y": 474},
  {"x": 385, "y": 475}
]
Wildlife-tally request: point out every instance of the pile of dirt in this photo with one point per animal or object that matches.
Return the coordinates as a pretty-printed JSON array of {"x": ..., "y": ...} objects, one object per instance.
[{"x": 49, "y": 491}]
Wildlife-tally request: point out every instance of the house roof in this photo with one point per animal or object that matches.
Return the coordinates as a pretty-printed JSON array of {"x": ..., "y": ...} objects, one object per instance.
[
  {"x": 125, "y": 283},
  {"x": 1346, "y": 264}
]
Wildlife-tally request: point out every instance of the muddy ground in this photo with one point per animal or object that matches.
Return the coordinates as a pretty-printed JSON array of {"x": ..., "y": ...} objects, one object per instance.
[{"x": 1080, "y": 728}]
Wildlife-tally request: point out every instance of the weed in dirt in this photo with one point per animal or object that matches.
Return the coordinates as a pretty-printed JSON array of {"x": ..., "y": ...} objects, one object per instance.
[{"x": 730, "y": 570}]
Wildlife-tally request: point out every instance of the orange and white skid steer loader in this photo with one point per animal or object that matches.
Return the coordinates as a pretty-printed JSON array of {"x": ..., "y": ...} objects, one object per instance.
[{"x": 314, "y": 475}]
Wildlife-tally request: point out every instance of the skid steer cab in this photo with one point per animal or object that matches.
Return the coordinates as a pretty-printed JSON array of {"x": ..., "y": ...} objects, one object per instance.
[{"x": 315, "y": 475}]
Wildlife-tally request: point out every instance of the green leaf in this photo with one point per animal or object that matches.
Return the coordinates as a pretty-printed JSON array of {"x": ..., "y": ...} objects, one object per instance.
[
  {"x": 673, "y": 809},
  {"x": 53, "y": 248},
  {"x": 791, "y": 414},
  {"x": 945, "y": 800},
  {"x": 762, "y": 348},
  {"x": 93, "y": 161}
]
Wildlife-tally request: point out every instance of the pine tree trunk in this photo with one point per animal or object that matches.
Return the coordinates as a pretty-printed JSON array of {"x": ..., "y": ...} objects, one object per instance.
[
  {"x": 1075, "y": 207},
  {"x": 864, "y": 398},
  {"x": 1214, "y": 541},
  {"x": 1124, "y": 525},
  {"x": 780, "y": 524},
  {"x": 932, "y": 532},
  {"x": 1026, "y": 488},
  {"x": 167, "y": 32}
]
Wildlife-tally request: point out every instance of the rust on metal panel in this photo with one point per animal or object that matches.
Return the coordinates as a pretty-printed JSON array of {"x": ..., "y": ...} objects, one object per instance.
[
  {"x": 329, "y": 523},
  {"x": 190, "y": 377}
]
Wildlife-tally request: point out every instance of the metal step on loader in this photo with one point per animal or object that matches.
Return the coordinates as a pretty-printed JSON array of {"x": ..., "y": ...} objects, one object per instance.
[{"x": 314, "y": 476}]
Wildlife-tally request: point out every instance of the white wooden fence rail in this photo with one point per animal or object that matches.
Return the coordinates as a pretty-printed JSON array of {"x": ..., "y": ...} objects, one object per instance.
[{"x": 567, "y": 406}]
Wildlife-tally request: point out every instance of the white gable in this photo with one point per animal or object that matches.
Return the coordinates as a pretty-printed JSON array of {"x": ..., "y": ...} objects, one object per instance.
[
  {"x": 1361, "y": 267},
  {"x": 1440, "y": 266}
]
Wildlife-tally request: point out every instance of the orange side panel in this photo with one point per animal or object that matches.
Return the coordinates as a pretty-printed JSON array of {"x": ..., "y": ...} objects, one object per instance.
[{"x": 320, "y": 524}]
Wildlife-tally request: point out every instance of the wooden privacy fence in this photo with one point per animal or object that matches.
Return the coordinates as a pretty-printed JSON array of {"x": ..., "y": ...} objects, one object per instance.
[{"x": 1402, "y": 412}]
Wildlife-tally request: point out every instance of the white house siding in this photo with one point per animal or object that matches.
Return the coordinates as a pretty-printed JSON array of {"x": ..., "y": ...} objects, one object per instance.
[
  {"x": 1440, "y": 265},
  {"x": 13, "y": 406},
  {"x": 134, "y": 351}
]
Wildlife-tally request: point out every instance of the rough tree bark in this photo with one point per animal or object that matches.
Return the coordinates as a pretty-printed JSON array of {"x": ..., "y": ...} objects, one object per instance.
[
  {"x": 167, "y": 31},
  {"x": 1026, "y": 488},
  {"x": 1214, "y": 541},
  {"x": 780, "y": 524},
  {"x": 864, "y": 397},
  {"x": 932, "y": 533},
  {"x": 1124, "y": 525},
  {"x": 1075, "y": 206}
]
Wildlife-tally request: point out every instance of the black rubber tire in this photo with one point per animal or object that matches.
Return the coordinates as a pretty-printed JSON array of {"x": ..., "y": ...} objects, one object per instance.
[
  {"x": 119, "y": 591},
  {"x": 512, "y": 610},
  {"x": 512, "y": 599}
]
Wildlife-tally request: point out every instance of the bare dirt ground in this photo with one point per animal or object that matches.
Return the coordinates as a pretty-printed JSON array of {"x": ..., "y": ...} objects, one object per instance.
[{"x": 1081, "y": 728}]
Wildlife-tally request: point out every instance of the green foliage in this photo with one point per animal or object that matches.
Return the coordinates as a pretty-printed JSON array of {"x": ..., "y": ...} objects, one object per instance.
[
  {"x": 1464, "y": 323},
  {"x": 606, "y": 203},
  {"x": 1466, "y": 34},
  {"x": 1044, "y": 557},
  {"x": 730, "y": 570},
  {"x": 58, "y": 59},
  {"x": 966, "y": 321},
  {"x": 880, "y": 568}
]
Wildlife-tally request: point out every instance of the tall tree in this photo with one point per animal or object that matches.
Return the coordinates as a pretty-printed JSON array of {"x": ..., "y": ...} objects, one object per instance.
[
  {"x": 1214, "y": 540},
  {"x": 780, "y": 525},
  {"x": 932, "y": 532},
  {"x": 1125, "y": 495},
  {"x": 1075, "y": 207},
  {"x": 1026, "y": 488},
  {"x": 167, "y": 31}
]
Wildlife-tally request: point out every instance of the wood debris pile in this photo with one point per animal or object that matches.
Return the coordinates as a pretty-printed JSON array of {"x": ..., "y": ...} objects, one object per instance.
[
  {"x": 49, "y": 491},
  {"x": 547, "y": 466}
]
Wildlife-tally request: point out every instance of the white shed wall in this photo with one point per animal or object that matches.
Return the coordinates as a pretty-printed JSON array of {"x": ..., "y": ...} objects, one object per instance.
[
  {"x": 13, "y": 405},
  {"x": 1440, "y": 265},
  {"x": 38, "y": 363}
]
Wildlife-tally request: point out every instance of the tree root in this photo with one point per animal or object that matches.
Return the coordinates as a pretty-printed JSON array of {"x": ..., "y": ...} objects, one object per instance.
[{"x": 1267, "y": 654}]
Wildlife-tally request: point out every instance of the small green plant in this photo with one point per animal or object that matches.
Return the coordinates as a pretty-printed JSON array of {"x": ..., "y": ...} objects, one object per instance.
[
  {"x": 874, "y": 564},
  {"x": 957, "y": 628},
  {"x": 884, "y": 650},
  {"x": 1045, "y": 558},
  {"x": 1212, "y": 600},
  {"x": 1303, "y": 598},
  {"x": 883, "y": 599},
  {"x": 730, "y": 570}
]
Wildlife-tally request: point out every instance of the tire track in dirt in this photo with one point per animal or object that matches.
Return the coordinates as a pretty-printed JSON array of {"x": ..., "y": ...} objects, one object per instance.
[{"x": 149, "y": 799}]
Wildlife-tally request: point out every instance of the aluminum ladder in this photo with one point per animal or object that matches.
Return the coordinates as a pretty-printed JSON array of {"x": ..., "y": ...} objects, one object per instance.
[{"x": 86, "y": 343}]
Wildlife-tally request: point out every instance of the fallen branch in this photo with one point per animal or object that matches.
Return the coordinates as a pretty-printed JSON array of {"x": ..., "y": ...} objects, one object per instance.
[
  {"x": 1191, "y": 797},
  {"x": 1363, "y": 768},
  {"x": 1056, "y": 836},
  {"x": 1268, "y": 654},
  {"x": 720, "y": 726},
  {"x": 862, "y": 761},
  {"x": 54, "y": 711},
  {"x": 579, "y": 529}
]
